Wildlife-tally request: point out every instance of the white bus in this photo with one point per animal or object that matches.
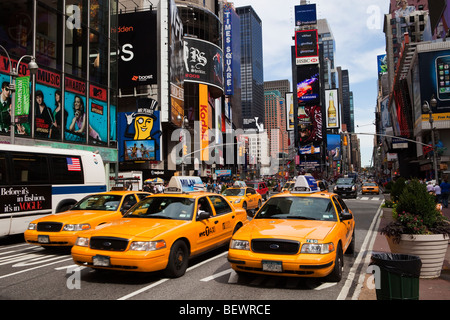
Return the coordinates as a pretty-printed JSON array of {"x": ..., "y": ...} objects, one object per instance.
[{"x": 37, "y": 181}]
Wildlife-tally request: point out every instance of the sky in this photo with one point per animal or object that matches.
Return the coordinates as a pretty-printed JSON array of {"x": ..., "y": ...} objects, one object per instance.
[{"x": 357, "y": 27}]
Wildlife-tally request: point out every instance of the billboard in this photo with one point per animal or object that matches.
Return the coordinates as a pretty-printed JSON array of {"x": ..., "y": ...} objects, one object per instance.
[
  {"x": 203, "y": 62},
  {"x": 306, "y": 47},
  {"x": 139, "y": 133},
  {"x": 334, "y": 146},
  {"x": 308, "y": 86},
  {"x": 310, "y": 128},
  {"x": 305, "y": 15},
  {"x": 382, "y": 65},
  {"x": 332, "y": 109},
  {"x": 228, "y": 47},
  {"x": 289, "y": 111},
  {"x": 434, "y": 70},
  {"x": 137, "y": 32}
]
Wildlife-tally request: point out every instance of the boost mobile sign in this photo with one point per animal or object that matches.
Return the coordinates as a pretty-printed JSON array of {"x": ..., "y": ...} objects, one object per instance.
[{"x": 138, "y": 49}]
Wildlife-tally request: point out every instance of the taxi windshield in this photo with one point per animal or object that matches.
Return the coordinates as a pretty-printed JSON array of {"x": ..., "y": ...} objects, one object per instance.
[
  {"x": 234, "y": 192},
  {"x": 369, "y": 184},
  {"x": 177, "y": 208},
  {"x": 107, "y": 202},
  {"x": 345, "y": 181},
  {"x": 301, "y": 208}
]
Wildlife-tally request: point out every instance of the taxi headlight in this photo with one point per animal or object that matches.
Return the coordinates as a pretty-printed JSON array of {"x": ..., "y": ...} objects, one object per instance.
[
  {"x": 77, "y": 227},
  {"x": 32, "y": 226},
  {"x": 353, "y": 188},
  {"x": 237, "y": 201},
  {"x": 239, "y": 244},
  {"x": 82, "y": 242},
  {"x": 317, "y": 248},
  {"x": 147, "y": 245}
]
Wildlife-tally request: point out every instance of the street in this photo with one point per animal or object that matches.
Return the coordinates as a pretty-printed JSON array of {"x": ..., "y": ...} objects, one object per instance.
[{"x": 34, "y": 273}]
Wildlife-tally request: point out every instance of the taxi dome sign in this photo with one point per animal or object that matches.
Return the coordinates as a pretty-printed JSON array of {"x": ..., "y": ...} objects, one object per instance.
[
  {"x": 180, "y": 184},
  {"x": 305, "y": 184}
]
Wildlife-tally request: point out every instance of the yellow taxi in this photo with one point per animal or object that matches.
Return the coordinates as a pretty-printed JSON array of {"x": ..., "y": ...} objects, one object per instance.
[
  {"x": 302, "y": 233},
  {"x": 288, "y": 186},
  {"x": 162, "y": 231},
  {"x": 243, "y": 197},
  {"x": 62, "y": 229},
  {"x": 370, "y": 187}
]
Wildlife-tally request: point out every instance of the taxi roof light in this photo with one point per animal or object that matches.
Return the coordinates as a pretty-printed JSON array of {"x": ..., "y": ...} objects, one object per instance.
[
  {"x": 305, "y": 184},
  {"x": 184, "y": 184}
]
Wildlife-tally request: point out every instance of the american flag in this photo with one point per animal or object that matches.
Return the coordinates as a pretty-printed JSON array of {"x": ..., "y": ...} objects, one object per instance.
[{"x": 73, "y": 164}]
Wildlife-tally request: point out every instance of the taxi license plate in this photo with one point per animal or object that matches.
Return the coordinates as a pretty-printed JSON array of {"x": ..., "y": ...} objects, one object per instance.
[
  {"x": 272, "y": 266},
  {"x": 43, "y": 239},
  {"x": 101, "y": 261}
]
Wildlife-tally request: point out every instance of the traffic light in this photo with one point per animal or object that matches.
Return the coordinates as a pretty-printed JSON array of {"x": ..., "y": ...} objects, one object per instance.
[
  {"x": 240, "y": 152},
  {"x": 185, "y": 150}
]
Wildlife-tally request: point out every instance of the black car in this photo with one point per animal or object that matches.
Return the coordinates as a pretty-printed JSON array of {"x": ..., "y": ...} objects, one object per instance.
[{"x": 346, "y": 187}]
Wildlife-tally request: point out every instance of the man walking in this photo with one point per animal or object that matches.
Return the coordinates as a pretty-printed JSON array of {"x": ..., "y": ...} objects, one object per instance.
[{"x": 445, "y": 192}]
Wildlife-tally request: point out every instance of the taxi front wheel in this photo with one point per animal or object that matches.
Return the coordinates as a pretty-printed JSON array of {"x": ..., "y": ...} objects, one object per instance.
[
  {"x": 178, "y": 260},
  {"x": 336, "y": 274}
]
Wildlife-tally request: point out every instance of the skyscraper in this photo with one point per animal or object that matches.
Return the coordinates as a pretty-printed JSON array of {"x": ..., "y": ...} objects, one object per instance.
[{"x": 252, "y": 74}]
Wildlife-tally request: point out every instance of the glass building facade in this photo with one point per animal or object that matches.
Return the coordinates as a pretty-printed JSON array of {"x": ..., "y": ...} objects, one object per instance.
[
  {"x": 252, "y": 72},
  {"x": 73, "y": 96}
]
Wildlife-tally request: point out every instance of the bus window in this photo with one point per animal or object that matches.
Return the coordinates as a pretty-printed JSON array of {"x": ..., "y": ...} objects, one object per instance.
[
  {"x": 30, "y": 169},
  {"x": 64, "y": 172},
  {"x": 3, "y": 170}
]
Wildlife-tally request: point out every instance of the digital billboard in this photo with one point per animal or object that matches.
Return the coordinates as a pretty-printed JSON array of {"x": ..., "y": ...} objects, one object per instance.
[
  {"x": 332, "y": 109},
  {"x": 137, "y": 32},
  {"x": 308, "y": 86},
  {"x": 305, "y": 15},
  {"x": 306, "y": 47}
]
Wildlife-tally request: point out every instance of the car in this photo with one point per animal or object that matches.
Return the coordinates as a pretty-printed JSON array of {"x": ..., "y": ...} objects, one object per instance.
[
  {"x": 260, "y": 187},
  {"x": 288, "y": 186},
  {"x": 301, "y": 233},
  {"x": 370, "y": 187},
  {"x": 243, "y": 197},
  {"x": 163, "y": 231},
  {"x": 62, "y": 229},
  {"x": 346, "y": 187},
  {"x": 323, "y": 185}
]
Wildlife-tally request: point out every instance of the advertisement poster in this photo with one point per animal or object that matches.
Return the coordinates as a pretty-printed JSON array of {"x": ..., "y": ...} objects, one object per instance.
[
  {"x": 139, "y": 133},
  {"x": 49, "y": 112},
  {"x": 332, "y": 109},
  {"x": 25, "y": 198},
  {"x": 75, "y": 110},
  {"x": 311, "y": 132},
  {"x": 434, "y": 70},
  {"x": 305, "y": 15},
  {"x": 138, "y": 49},
  {"x": 308, "y": 87},
  {"x": 203, "y": 62},
  {"x": 290, "y": 111},
  {"x": 98, "y": 115},
  {"x": 334, "y": 146}
]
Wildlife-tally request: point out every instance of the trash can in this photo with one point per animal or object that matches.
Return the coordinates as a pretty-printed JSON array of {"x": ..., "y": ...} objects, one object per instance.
[{"x": 399, "y": 276}]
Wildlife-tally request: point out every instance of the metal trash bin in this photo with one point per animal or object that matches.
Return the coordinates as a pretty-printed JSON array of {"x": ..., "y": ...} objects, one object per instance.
[{"x": 399, "y": 276}]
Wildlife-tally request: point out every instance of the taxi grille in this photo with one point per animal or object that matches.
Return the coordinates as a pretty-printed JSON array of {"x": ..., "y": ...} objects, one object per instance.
[
  {"x": 108, "y": 243},
  {"x": 49, "y": 226},
  {"x": 275, "y": 246}
]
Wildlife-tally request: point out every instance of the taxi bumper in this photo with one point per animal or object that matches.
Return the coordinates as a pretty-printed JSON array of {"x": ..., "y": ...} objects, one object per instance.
[
  {"x": 140, "y": 261},
  {"x": 299, "y": 265},
  {"x": 51, "y": 239}
]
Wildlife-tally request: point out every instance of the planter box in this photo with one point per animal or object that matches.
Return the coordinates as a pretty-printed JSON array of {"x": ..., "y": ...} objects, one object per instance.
[{"x": 430, "y": 248}]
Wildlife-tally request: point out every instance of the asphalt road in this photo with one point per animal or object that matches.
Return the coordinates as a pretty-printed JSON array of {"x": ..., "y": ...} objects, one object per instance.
[{"x": 32, "y": 273}]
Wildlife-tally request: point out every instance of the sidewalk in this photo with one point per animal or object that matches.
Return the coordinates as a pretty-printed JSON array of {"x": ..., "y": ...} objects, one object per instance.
[{"x": 429, "y": 289}]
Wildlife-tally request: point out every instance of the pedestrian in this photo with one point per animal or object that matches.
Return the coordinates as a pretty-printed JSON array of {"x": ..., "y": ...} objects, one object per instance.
[
  {"x": 437, "y": 192},
  {"x": 445, "y": 192}
]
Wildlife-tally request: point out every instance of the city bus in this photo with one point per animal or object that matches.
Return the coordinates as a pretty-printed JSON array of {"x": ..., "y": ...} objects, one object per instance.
[{"x": 38, "y": 181}]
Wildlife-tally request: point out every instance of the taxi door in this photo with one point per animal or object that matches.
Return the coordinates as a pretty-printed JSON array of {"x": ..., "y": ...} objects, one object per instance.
[
  {"x": 207, "y": 230},
  {"x": 250, "y": 195},
  {"x": 346, "y": 226},
  {"x": 225, "y": 216}
]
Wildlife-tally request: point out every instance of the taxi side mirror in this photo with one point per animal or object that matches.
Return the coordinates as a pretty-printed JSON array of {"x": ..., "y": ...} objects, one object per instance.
[
  {"x": 203, "y": 215},
  {"x": 345, "y": 215}
]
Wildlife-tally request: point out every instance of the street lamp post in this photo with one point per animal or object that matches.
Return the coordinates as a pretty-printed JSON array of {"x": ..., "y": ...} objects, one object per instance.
[
  {"x": 426, "y": 108},
  {"x": 13, "y": 74},
  {"x": 184, "y": 122}
]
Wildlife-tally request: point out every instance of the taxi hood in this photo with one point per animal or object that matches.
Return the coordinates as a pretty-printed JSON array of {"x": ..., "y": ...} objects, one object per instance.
[
  {"x": 290, "y": 229},
  {"x": 80, "y": 216},
  {"x": 129, "y": 228}
]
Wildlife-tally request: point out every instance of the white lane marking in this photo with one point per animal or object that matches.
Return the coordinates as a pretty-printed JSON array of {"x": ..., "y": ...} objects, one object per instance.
[
  {"x": 134, "y": 293},
  {"x": 216, "y": 275},
  {"x": 373, "y": 227},
  {"x": 30, "y": 269}
]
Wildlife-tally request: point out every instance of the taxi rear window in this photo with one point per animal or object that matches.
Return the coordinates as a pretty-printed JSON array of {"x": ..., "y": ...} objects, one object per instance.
[
  {"x": 301, "y": 208},
  {"x": 234, "y": 192},
  {"x": 177, "y": 208}
]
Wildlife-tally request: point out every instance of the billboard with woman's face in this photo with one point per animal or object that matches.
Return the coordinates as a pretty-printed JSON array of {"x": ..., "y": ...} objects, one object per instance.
[{"x": 75, "y": 106}]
